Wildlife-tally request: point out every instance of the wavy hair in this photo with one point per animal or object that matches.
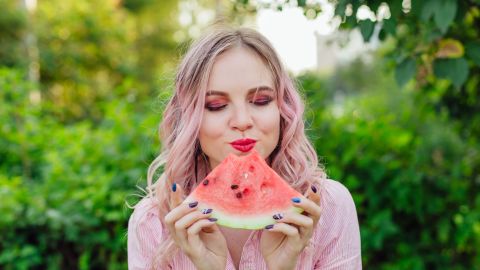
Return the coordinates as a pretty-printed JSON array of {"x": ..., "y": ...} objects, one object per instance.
[{"x": 181, "y": 159}]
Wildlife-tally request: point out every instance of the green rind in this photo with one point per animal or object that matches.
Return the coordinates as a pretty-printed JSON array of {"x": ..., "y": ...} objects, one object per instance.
[{"x": 241, "y": 222}]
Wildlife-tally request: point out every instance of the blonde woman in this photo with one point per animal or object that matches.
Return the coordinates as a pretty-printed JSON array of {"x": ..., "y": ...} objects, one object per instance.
[{"x": 232, "y": 95}]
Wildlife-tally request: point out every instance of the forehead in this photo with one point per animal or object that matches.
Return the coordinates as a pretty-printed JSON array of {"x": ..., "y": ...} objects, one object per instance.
[{"x": 239, "y": 69}]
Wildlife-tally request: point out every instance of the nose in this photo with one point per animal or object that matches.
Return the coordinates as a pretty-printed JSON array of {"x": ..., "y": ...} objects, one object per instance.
[{"x": 241, "y": 119}]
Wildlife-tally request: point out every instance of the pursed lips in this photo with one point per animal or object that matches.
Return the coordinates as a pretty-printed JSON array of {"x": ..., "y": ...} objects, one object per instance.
[{"x": 243, "y": 145}]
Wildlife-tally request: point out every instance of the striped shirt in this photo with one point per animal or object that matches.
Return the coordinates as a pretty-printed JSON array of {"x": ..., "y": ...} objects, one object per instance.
[{"x": 335, "y": 243}]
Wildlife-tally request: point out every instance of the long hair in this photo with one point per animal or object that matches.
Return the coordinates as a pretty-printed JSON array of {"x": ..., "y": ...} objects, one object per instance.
[{"x": 181, "y": 159}]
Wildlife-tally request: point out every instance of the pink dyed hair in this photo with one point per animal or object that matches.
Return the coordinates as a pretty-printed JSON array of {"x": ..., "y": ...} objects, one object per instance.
[{"x": 181, "y": 159}]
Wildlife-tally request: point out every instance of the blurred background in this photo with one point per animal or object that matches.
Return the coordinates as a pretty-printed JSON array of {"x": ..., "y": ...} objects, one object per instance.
[{"x": 393, "y": 108}]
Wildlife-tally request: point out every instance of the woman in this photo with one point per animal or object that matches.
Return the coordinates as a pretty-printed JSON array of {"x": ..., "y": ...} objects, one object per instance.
[{"x": 231, "y": 89}]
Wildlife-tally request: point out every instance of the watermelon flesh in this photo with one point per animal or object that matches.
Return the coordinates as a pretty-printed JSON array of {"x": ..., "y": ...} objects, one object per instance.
[{"x": 244, "y": 192}]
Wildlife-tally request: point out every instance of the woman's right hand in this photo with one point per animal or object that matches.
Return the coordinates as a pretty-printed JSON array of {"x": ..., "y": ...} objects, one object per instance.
[{"x": 195, "y": 234}]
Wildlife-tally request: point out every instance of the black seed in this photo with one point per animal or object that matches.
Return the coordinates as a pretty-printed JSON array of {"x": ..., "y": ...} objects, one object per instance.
[
  {"x": 234, "y": 186},
  {"x": 205, "y": 182},
  {"x": 239, "y": 195}
]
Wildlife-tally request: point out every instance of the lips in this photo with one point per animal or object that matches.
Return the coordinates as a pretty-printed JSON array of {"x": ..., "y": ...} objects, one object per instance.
[{"x": 243, "y": 145}]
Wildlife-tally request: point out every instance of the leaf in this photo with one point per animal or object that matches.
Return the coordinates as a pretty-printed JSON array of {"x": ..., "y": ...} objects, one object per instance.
[
  {"x": 428, "y": 9},
  {"x": 455, "y": 70},
  {"x": 473, "y": 52},
  {"x": 390, "y": 26},
  {"x": 301, "y": 3},
  {"x": 445, "y": 14},
  {"x": 366, "y": 28},
  {"x": 340, "y": 8},
  {"x": 395, "y": 7},
  {"x": 450, "y": 48},
  {"x": 405, "y": 71}
]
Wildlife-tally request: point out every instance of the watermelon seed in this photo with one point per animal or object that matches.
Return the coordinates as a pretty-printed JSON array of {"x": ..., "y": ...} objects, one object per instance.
[
  {"x": 269, "y": 227},
  {"x": 239, "y": 195},
  {"x": 234, "y": 186},
  {"x": 205, "y": 182}
]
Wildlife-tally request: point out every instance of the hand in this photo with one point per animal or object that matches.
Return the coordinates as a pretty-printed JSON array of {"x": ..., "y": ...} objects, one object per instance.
[
  {"x": 282, "y": 244},
  {"x": 195, "y": 234}
]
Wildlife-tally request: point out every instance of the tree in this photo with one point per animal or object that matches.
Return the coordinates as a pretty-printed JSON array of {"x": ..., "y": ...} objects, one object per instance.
[{"x": 435, "y": 42}]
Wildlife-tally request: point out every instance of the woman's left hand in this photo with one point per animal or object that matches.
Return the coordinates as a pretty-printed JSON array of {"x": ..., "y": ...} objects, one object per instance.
[{"x": 282, "y": 244}]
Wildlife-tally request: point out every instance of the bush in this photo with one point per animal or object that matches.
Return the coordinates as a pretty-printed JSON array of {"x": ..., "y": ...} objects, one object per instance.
[
  {"x": 64, "y": 187},
  {"x": 413, "y": 177}
]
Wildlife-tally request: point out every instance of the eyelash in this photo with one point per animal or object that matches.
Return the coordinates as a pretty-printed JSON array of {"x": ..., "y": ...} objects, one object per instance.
[{"x": 260, "y": 102}]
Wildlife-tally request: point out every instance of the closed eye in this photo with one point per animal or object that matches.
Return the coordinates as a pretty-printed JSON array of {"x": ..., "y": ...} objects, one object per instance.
[
  {"x": 262, "y": 101},
  {"x": 214, "y": 108}
]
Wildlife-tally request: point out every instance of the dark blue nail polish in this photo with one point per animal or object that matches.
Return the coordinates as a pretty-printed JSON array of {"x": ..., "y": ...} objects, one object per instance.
[
  {"x": 277, "y": 216},
  {"x": 314, "y": 189},
  {"x": 174, "y": 187},
  {"x": 269, "y": 227},
  {"x": 192, "y": 204},
  {"x": 212, "y": 219},
  {"x": 207, "y": 211},
  {"x": 296, "y": 200}
]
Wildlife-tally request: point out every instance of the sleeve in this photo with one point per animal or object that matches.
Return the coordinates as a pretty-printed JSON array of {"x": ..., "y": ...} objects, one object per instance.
[
  {"x": 144, "y": 235},
  {"x": 337, "y": 236}
]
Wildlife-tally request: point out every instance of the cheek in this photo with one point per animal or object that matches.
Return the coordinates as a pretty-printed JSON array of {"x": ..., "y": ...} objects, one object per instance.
[
  {"x": 269, "y": 122},
  {"x": 211, "y": 127}
]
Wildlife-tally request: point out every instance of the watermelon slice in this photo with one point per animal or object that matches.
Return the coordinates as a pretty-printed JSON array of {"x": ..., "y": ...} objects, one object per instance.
[{"x": 244, "y": 192}]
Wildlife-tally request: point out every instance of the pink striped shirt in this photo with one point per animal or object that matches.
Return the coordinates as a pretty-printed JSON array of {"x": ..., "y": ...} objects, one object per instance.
[{"x": 335, "y": 242}]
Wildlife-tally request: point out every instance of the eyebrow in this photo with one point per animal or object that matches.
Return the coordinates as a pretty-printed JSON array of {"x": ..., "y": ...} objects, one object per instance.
[{"x": 250, "y": 91}]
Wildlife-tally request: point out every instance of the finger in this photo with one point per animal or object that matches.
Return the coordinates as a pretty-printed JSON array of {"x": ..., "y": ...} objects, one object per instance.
[
  {"x": 176, "y": 195},
  {"x": 313, "y": 194},
  {"x": 310, "y": 207},
  {"x": 288, "y": 230},
  {"x": 177, "y": 213},
  {"x": 194, "y": 230},
  {"x": 294, "y": 219},
  {"x": 188, "y": 220}
]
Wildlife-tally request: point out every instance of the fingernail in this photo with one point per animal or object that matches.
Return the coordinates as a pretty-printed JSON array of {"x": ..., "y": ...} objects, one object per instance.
[
  {"x": 207, "y": 211},
  {"x": 296, "y": 200},
  {"x": 269, "y": 227},
  {"x": 174, "y": 187},
  {"x": 212, "y": 219},
  {"x": 192, "y": 204},
  {"x": 277, "y": 216},
  {"x": 314, "y": 189}
]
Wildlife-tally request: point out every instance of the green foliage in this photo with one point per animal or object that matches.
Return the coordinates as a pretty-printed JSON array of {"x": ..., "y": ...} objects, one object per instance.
[
  {"x": 13, "y": 24},
  {"x": 64, "y": 187},
  {"x": 413, "y": 177}
]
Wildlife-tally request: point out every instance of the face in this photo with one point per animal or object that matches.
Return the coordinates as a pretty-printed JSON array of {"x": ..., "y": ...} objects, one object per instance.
[{"x": 241, "y": 111}]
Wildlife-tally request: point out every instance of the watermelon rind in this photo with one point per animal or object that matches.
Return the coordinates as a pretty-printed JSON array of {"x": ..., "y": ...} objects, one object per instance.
[{"x": 253, "y": 222}]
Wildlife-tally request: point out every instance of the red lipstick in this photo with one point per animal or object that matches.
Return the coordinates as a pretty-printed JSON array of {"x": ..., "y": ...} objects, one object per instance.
[{"x": 243, "y": 145}]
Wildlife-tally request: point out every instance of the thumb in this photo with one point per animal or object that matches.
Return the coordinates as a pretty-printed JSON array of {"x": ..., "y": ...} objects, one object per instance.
[
  {"x": 313, "y": 194},
  {"x": 176, "y": 195}
]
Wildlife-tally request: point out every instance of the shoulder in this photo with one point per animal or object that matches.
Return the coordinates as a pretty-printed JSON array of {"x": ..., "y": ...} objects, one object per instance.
[
  {"x": 338, "y": 207},
  {"x": 144, "y": 234},
  {"x": 145, "y": 209},
  {"x": 335, "y": 195},
  {"x": 337, "y": 236},
  {"x": 144, "y": 220}
]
